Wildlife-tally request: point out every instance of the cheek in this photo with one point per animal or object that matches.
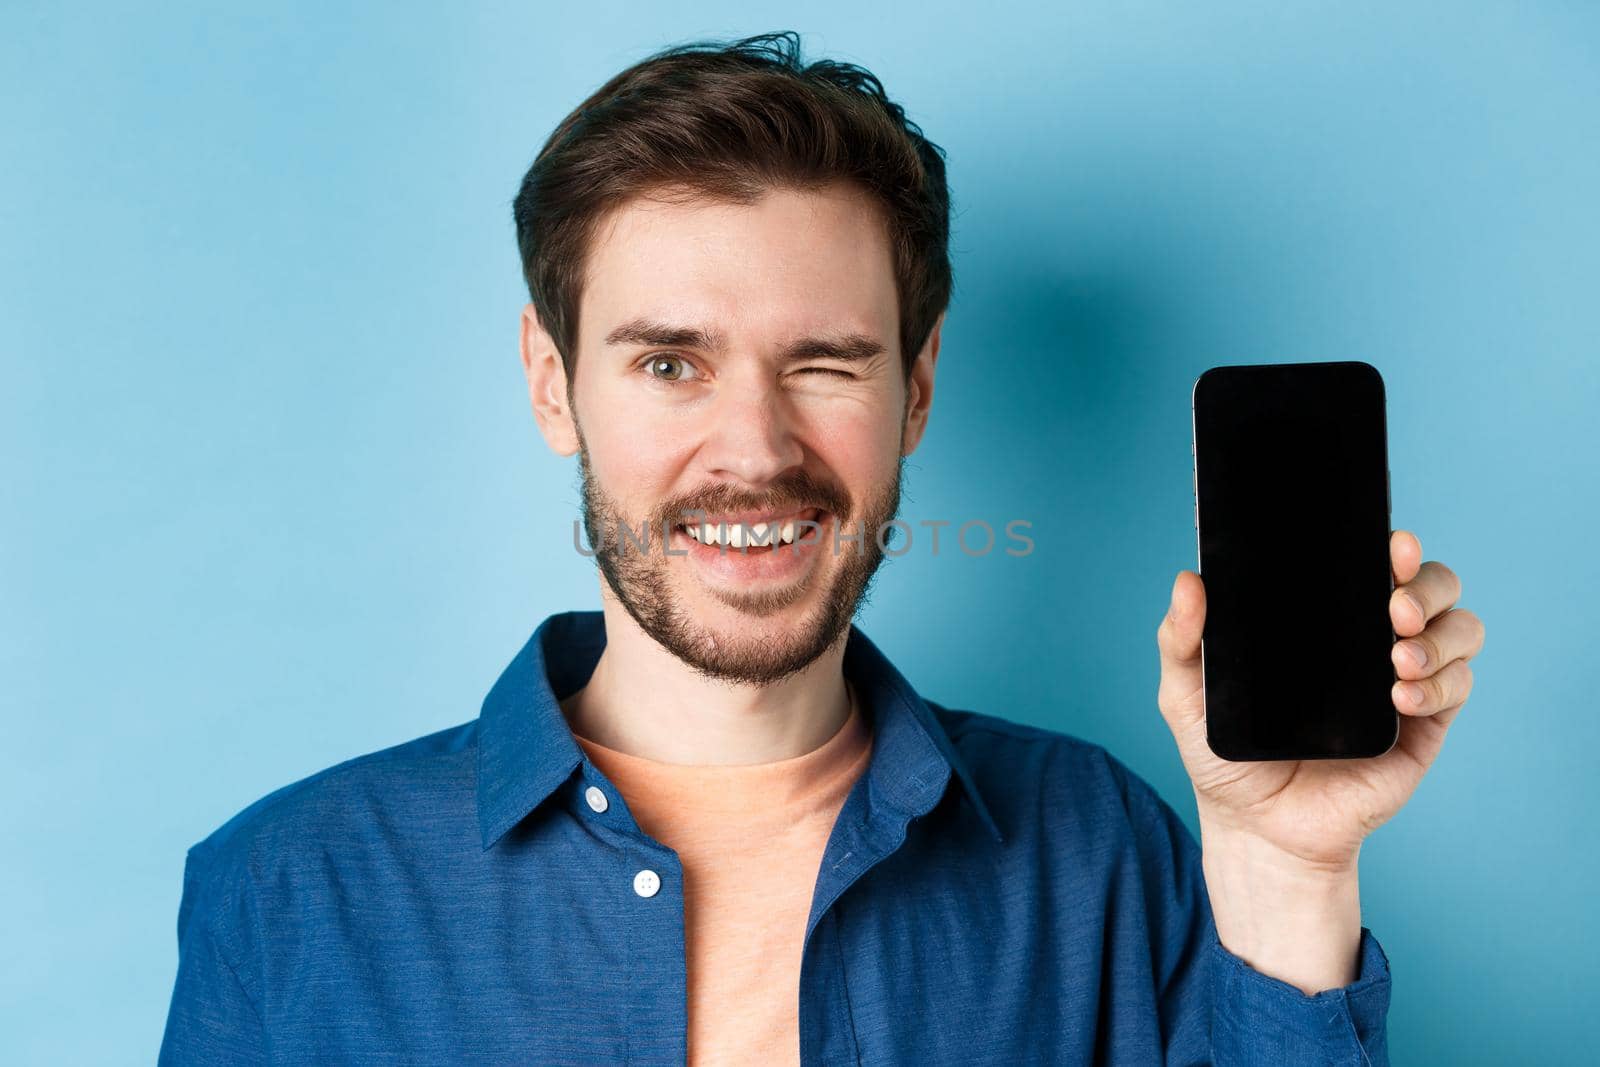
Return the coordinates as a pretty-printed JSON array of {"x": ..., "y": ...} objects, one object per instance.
[
  {"x": 637, "y": 455},
  {"x": 639, "y": 471},
  {"x": 860, "y": 447}
]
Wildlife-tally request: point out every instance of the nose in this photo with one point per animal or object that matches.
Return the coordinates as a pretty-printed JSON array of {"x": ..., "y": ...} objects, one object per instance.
[{"x": 752, "y": 436}]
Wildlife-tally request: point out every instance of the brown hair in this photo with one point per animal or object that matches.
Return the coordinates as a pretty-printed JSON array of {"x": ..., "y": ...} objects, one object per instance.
[{"x": 728, "y": 121}]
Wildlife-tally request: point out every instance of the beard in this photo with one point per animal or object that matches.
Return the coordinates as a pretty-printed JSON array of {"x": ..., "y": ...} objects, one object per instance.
[{"x": 642, "y": 581}]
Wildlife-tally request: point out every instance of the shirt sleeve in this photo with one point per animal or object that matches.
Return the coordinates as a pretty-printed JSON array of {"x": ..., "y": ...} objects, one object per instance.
[
  {"x": 212, "y": 1018},
  {"x": 1257, "y": 1019},
  {"x": 1218, "y": 1011}
]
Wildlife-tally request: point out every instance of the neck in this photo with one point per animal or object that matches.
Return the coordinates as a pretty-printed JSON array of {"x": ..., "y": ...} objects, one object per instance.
[{"x": 643, "y": 701}]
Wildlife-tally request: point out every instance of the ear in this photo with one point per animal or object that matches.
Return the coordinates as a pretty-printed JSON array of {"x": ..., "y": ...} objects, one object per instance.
[
  {"x": 547, "y": 385},
  {"x": 919, "y": 390}
]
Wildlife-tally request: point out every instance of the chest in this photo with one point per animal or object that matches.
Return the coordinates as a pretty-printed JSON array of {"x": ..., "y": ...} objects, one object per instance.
[{"x": 926, "y": 957}]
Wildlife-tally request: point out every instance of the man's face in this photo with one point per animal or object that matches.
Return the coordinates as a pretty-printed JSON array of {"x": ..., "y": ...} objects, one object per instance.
[{"x": 742, "y": 361}]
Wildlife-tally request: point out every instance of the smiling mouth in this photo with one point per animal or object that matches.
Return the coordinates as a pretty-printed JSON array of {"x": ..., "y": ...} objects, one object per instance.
[{"x": 754, "y": 534}]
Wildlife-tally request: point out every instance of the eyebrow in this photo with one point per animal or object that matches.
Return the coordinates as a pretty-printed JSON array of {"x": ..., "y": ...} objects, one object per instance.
[{"x": 848, "y": 347}]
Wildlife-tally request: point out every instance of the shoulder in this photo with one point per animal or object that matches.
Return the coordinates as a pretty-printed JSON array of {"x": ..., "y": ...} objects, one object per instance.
[
  {"x": 1051, "y": 775},
  {"x": 340, "y": 803},
  {"x": 1002, "y": 748}
]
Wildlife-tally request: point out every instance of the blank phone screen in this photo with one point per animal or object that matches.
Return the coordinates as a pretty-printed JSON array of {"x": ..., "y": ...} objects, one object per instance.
[{"x": 1292, "y": 518}]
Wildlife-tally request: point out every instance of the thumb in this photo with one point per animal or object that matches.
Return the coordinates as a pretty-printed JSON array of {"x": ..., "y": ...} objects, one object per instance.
[{"x": 1182, "y": 692}]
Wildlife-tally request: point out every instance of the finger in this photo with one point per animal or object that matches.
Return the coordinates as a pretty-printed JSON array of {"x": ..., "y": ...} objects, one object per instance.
[
  {"x": 1421, "y": 736},
  {"x": 1447, "y": 688},
  {"x": 1434, "y": 589},
  {"x": 1457, "y": 634},
  {"x": 1405, "y": 555},
  {"x": 1181, "y": 694}
]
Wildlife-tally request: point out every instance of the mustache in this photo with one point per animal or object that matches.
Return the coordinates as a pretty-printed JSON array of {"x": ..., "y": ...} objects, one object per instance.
[{"x": 791, "y": 493}]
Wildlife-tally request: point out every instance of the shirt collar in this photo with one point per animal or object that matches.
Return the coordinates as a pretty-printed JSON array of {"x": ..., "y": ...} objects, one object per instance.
[{"x": 526, "y": 749}]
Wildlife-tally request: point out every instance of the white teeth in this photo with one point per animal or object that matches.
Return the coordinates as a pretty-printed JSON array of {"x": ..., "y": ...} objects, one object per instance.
[
  {"x": 706, "y": 535},
  {"x": 738, "y": 535}
]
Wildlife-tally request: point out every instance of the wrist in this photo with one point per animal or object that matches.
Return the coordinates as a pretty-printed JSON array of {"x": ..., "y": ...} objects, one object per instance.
[{"x": 1288, "y": 919}]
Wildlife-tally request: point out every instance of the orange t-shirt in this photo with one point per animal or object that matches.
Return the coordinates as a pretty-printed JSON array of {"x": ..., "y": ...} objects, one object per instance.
[{"x": 750, "y": 839}]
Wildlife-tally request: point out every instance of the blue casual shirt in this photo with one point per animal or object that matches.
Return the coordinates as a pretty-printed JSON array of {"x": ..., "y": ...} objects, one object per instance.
[{"x": 991, "y": 893}]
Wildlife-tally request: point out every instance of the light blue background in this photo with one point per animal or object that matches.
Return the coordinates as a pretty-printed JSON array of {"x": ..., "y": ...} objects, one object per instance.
[{"x": 272, "y": 496}]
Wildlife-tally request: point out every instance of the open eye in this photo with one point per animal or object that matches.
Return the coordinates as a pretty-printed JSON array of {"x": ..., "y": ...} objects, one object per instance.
[{"x": 668, "y": 367}]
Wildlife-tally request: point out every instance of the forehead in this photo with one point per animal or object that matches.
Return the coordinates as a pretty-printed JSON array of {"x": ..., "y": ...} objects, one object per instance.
[{"x": 794, "y": 260}]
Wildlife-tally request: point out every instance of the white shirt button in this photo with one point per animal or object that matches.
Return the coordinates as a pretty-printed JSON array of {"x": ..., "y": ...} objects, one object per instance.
[
  {"x": 596, "y": 798},
  {"x": 646, "y": 883}
]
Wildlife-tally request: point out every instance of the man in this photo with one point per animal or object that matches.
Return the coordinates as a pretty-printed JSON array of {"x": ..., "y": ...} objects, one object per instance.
[{"x": 711, "y": 822}]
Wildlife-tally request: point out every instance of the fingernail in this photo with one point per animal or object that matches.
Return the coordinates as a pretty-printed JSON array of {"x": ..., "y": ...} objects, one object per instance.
[
  {"x": 1416, "y": 606},
  {"x": 1411, "y": 694},
  {"x": 1415, "y": 653}
]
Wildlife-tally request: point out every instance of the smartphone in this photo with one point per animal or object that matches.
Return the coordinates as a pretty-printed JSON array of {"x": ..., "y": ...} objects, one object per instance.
[{"x": 1292, "y": 509}]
